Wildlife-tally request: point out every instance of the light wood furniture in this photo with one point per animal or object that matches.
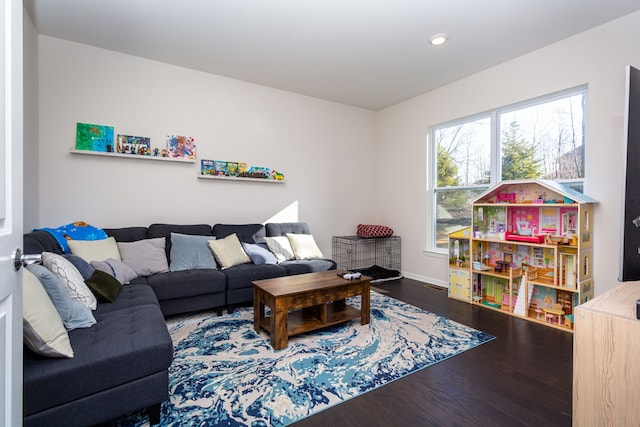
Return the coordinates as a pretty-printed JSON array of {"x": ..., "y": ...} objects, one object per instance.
[
  {"x": 306, "y": 302},
  {"x": 606, "y": 353},
  {"x": 529, "y": 247}
]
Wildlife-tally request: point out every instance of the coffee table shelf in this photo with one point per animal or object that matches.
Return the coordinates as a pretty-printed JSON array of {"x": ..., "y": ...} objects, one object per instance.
[{"x": 310, "y": 319}]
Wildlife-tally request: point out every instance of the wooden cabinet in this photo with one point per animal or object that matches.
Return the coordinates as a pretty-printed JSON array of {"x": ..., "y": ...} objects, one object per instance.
[
  {"x": 530, "y": 248},
  {"x": 606, "y": 372}
]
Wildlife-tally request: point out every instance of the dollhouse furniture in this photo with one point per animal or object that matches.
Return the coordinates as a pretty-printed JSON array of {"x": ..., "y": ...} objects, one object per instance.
[
  {"x": 553, "y": 312},
  {"x": 529, "y": 248}
]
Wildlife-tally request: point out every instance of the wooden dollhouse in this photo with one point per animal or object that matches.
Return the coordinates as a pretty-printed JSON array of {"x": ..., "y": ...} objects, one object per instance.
[{"x": 528, "y": 252}]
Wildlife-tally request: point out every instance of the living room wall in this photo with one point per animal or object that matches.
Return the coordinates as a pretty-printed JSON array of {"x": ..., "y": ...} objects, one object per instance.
[
  {"x": 324, "y": 149},
  {"x": 597, "y": 58}
]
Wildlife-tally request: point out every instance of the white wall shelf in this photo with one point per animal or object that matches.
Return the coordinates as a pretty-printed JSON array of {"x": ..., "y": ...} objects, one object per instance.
[
  {"x": 241, "y": 178},
  {"x": 130, "y": 156}
]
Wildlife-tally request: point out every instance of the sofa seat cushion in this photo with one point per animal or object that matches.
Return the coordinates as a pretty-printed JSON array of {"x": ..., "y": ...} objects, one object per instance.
[
  {"x": 301, "y": 266},
  {"x": 241, "y": 276},
  {"x": 130, "y": 296},
  {"x": 186, "y": 283},
  {"x": 124, "y": 345}
]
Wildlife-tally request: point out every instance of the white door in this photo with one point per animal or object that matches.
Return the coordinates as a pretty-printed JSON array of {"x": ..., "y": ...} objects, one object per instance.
[{"x": 10, "y": 212}]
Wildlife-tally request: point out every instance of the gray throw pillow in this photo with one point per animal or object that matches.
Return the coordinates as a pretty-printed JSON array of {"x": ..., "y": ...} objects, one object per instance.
[
  {"x": 145, "y": 257},
  {"x": 85, "y": 269},
  {"x": 74, "y": 313},
  {"x": 259, "y": 254},
  {"x": 189, "y": 252},
  {"x": 118, "y": 269}
]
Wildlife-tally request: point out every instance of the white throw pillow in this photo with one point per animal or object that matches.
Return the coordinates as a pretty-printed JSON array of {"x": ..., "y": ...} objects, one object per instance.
[
  {"x": 43, "y": 331},
  {"x": 228, "y": 251},
  {"x": 95, "y": 250},
  {"x": 280, "y": 247},
  {"x": 71, "y": 277},
  {"x": 304, "y": 246}
]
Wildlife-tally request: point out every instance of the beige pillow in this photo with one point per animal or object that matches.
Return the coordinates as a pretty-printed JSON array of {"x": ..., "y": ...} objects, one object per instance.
[
  {"x": 43, "y": 331},
  {"x": 95, "y": 250},
  {"x": 304, "y": 246},
  {"x": 229, "y": 251}
]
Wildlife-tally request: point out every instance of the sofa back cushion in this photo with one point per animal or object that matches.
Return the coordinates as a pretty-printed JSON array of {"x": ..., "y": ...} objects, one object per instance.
[
  {"x": 39, "y": 241},
  {"x": 283, "y": 228},
  {"x": 165, "y": 230},
  {"x": 127, "y": 234},
  {"x": 248, "y": 233}
]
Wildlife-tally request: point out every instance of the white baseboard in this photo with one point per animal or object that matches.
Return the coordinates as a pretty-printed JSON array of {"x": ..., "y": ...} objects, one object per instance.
[{"x": 429, "y": 280}]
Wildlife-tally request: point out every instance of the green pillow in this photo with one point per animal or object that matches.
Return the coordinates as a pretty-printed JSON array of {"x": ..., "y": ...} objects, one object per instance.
[{"x": 104, "y": 286}]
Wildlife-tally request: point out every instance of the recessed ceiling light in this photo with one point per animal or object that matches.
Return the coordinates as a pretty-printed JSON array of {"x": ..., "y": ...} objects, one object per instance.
[{"x": 438, "y": 39}]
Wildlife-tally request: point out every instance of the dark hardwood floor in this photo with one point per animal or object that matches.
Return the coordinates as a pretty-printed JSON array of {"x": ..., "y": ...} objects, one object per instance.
[{"x": 522, "y": 378}]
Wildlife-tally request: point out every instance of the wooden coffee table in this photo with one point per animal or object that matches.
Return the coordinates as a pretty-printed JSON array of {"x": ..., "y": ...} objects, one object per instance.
[{"x": 306, "y": 302}]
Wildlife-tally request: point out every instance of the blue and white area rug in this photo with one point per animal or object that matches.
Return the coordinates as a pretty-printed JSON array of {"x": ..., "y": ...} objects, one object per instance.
[{"x": 223, "y": 373}]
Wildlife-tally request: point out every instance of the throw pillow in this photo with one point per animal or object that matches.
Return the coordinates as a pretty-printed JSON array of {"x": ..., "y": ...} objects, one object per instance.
[
  {"x": 259, "y": 254},
  {"x": 74, "y": 314},
  {"x": 146, "y": 256},
  {"x": 304, "y": 246},
  {"x": 95, "y": 250},
  {"x": 368, "y": 231},
  {"x": 117, "y": 269},
  {"x": 280, "y": 247},
  {"x": 71, "y": 277},
  {"x": 228, "y": 251},
  {"x": 83, "y": 266},
  {"x": 189, "y": 252},
  {"x": 43, "y": 331},
  {"x": 104, "y": 286}
]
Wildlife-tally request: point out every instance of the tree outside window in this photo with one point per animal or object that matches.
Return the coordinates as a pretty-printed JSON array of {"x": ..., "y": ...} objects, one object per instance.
[{"x": 543, "y": 138}]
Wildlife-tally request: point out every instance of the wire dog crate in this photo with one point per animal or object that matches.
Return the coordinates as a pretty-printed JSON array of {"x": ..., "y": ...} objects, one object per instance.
[{"x": 353, "y": 252}]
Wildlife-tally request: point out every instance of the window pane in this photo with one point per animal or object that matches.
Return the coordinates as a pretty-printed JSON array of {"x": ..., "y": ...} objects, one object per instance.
[
  {"x": 453, "y": 212},
  {"x": 463, "y": 153},
  {"x": 544, "y": 141}
]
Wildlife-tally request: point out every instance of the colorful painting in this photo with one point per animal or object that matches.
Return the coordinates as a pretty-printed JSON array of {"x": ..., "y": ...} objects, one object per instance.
[
  {"x": 238, "y": 169},
  {"x": 94, "y": 137},
  {"x": 181, "y": 147},
  {"x": 140, "y": 145}
]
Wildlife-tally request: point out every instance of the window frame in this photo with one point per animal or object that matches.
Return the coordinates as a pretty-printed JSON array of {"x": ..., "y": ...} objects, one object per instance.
[{"x": 495, "y": 172}]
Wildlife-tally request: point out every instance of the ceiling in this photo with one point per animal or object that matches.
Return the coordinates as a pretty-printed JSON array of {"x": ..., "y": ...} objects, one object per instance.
[{"x": 365, "y": 53}]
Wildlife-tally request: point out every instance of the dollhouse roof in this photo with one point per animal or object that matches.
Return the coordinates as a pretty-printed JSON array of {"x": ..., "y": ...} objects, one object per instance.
[{"x": 534, "y": 187}]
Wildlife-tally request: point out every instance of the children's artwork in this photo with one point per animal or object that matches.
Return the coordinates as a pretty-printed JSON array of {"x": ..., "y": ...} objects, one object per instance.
[
  {"x": 94, "y": 137},
  {"x": 181, "y": 147},
  {"x": 238, "y": 169},
  {"x": 207, "y": 167},
  {"x": 139, "y": 145}
]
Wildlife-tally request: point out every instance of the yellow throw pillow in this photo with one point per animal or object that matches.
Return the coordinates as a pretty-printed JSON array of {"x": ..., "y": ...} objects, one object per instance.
[
  {"x": 95, "y": 250},
  {"x": 228, "y": 251}
]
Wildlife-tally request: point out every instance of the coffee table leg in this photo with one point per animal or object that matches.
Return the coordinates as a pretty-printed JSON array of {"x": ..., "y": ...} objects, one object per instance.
[
  {"x": 279, "y": 332},
  {"x": 258, "y": 310},
  {"x": 365, "y": 304}
]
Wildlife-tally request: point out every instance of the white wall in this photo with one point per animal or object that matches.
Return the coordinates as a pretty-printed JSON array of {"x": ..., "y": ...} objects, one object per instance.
[
  {"x": 597, "y": 57},
  {"x": 323, "y": 148},
  {"x": 30, "y": 145}
]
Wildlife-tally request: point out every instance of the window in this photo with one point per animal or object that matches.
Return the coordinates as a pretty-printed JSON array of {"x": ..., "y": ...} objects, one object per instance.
[{"x": 542, "y": 138}]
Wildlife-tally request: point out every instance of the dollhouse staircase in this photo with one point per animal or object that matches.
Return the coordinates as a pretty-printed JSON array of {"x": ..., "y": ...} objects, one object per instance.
[{"x": 520, "y": 307}]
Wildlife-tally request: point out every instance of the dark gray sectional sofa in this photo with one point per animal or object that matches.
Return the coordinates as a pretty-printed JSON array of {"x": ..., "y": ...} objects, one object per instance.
[{"x": 120, "y": 365}]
